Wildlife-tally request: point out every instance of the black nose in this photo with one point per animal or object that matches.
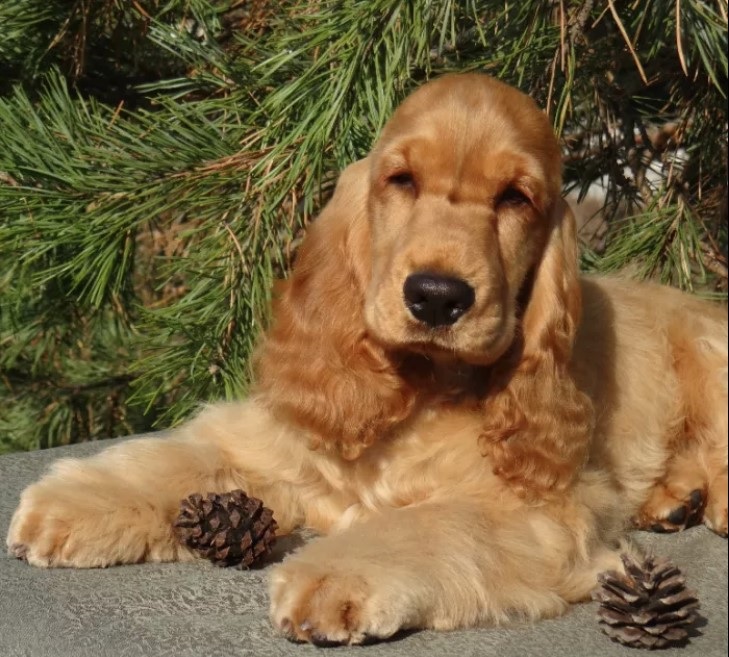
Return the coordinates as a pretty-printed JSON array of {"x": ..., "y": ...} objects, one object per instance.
[{"x": 437, "y": 300}]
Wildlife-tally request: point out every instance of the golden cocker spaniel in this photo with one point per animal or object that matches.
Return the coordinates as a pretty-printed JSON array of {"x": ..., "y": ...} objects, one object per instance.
[{"x": 470, "y": 423}]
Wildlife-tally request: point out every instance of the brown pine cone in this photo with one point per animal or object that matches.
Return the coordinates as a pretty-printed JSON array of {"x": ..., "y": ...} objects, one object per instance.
[
  {"x": 229, "y": 529},
  {"x": 648, "y": 607}
]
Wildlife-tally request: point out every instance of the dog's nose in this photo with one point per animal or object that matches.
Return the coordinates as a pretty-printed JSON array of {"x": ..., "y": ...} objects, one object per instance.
[{"x": 437, "y": 300}]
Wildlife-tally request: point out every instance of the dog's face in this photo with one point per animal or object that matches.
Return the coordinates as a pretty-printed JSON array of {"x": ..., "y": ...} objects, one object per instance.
[{"x": 462, "y": 185}]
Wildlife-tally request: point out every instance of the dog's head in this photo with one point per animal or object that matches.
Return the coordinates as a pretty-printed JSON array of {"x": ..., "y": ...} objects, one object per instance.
[{"x": 464, "y": 199}]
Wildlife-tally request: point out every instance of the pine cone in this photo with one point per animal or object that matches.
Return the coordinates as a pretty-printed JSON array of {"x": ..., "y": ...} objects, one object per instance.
[
  {"x": 648, "y": 607},
  {"x": 230, "y": 529}
]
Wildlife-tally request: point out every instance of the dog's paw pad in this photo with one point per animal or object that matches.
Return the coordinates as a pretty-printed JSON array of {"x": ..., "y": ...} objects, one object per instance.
[
  {"x": 696, "y": 505},
  {"x": 665, "y": 514},
  {"x": 678, "y": 516}
]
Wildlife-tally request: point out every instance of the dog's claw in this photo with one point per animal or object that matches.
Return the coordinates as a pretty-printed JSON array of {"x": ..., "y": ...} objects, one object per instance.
[{"x": 19, "y": 551}]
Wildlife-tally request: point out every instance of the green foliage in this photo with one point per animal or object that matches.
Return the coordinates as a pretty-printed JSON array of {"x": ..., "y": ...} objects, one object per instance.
[{"x": 158, "y": 160}]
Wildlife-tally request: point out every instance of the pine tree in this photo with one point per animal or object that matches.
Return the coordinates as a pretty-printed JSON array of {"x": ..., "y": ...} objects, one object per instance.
[{"x": 158, "y": 161}]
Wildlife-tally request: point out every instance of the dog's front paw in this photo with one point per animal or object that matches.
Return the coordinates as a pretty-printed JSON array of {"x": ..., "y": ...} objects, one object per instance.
[
  {"x": 326, "y": 605},
  {"x": 91, "y": 524},
  {"x": 46, "y": 530}
]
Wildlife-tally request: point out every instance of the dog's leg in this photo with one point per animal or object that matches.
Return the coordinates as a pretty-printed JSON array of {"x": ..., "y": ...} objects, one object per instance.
[
  {"x": 119, "y": 506},
  {"x": 694, "y": 486},
  {"x": 437, "y": 566}
]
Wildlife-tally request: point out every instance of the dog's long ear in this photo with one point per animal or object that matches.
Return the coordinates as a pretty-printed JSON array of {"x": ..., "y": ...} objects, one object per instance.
[
  {"x": 538, "y": 424},
  {"x": 554, "y": 307},
  {"x": 317, "y": 366}
]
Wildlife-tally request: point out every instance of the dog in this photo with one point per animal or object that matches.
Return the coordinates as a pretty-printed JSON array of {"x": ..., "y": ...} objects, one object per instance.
[{"x": 470, "y": 423}]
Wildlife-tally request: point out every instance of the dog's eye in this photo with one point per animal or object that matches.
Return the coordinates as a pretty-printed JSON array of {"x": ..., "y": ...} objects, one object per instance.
[
  {"x": 513, "y": 197},
  {"x": 404, "y": 180}
]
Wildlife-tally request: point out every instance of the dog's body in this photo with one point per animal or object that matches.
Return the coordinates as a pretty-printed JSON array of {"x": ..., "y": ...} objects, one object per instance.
[{"x": 475, "y": 441}]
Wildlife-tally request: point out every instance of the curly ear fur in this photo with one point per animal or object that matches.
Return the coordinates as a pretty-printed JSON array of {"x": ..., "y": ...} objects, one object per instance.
[
  {"x": 317, "y": 365},
  {"x": 538, "y": 424}
]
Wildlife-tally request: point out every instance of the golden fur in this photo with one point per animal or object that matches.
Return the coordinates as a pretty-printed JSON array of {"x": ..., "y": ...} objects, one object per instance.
[{"x": 467, "y": 473}]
